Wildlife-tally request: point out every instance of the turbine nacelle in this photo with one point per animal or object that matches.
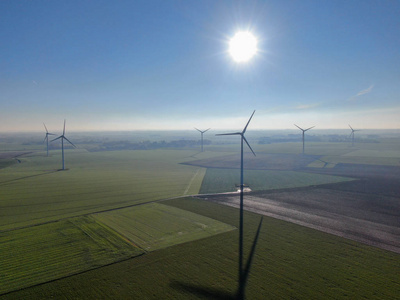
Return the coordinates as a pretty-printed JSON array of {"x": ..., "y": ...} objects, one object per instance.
[
  {"x": 303, "y": 130},
  {"x": 63, "y": 137},
  {"x": 242, "y": 133}
]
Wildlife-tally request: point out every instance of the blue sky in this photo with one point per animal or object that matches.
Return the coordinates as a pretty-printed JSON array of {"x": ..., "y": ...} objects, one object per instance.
[{"x": 133, "y": 65}]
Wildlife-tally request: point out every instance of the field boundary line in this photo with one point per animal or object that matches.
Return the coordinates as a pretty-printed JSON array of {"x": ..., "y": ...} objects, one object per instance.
[{"x": 191, "y": 181}]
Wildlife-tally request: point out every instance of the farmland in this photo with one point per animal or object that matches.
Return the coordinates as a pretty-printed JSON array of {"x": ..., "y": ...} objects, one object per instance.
[
  {"x": 116, "y": 225},
  {"x": 290, "y": 261},
  {"x": 35, "y": 192}
]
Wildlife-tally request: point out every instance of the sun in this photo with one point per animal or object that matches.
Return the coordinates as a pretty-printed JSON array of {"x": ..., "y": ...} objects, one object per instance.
[{"x": 243, "y": 46}]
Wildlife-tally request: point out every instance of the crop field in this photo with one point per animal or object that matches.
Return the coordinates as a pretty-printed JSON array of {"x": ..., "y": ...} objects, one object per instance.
[
  {"x": 155, "y": 226},
  {"x": 35, "y": 192},
  {"x": 42, "y": 253},
  {"x": 111, "y": 225},
  {"x": 55, "y": 250},
  {"x": 290, "y": 261},
  {"x": 224, "y": 180}
]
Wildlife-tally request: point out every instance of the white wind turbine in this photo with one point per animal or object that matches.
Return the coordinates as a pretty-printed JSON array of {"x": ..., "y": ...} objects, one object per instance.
[
  {"x": 202, "y": 132},
  {"x": 303, "y": 130},
  {"x": 242, "y": 275},
  {"x": 46, "y": 138},
  {"x": 63, "y": 137}
]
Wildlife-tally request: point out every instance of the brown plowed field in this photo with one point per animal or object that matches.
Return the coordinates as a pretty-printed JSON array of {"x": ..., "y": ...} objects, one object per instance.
[{"x": 365, "y": 210}]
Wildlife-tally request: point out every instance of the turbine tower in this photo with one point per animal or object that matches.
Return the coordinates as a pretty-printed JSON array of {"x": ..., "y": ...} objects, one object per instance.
[
  {"x": 242, "y": 275},
  {"x": 63, "y": 137},
  {"x": 303, "y": 130},
  {"x": 46, "y": 138},
  {"x": 202, "y": 136},
  {"x": 352, "y": 135}
]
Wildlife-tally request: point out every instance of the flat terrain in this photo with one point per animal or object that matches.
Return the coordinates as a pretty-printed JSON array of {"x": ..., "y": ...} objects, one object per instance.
[
  {"x": 290, "y": 261},
  {"x": 35, "y": 191},
  {"x": 155, "y": 226},
  {"x": 342, "y": 209},
  {"x": 116, "y": 225}
]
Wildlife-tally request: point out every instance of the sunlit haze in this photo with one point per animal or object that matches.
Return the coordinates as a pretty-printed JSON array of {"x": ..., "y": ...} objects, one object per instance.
[{"x": 165, "y": 65}]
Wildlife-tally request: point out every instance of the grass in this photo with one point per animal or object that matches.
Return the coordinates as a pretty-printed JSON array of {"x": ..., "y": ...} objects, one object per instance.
[
  {"x": 34, "y": 192},
  {"x": 224, "y": 180},
  {"x": 352, "y": 158},
  {"x": 290, "y": 262},
  {"x": 42, "y": 253},
  {"x": 4, "y": 163},
  {"x": 155, "y": 226}
]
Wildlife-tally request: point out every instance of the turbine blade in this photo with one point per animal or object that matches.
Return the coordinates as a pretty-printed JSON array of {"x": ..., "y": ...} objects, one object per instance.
[
  {"x": 309, "y": 128},
  {"x": 206, "y": 130},
  {"x": 248, "y": 144},
  {"x": 298, "y": 127},
  {"x": 57, "y": 138},
  {"x": 197, "y": 129},
  {"x": 46, "y": 137},
  {"x": 45, "y": 127},
  {"x": 64, "y": 127},
  {"x": 234, "y": 133},
  {"x": 69, "y": 141},
  {"x": 244, "y": 130},
  {"x": 351, "y": 127}
]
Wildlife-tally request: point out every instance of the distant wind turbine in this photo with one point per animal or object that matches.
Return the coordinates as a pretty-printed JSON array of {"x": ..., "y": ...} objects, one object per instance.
[
  {"x": 46, "y": 138},
  {"x": 303, "y": 130},
  {"x": 63, "y": 137},
  {"x": 352, "y": 135},
  {"x": 242, "y": 275},
  {"x": 202, "y": 136}
]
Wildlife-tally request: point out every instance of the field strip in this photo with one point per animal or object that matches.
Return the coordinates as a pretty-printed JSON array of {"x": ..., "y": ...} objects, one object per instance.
[
  {"x": 45, "y": 253},
  {"x": 191, "y": 181},
  {"x": 155, "y": 226},
  {"x": 363, "y": 231}
]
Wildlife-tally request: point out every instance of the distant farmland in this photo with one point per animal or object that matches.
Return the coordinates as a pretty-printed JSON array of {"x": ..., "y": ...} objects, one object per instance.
[
  {"x": 35, "y": 192},
  {"x": 224, "y": 180},
  {"x": 112, "y": 227}
]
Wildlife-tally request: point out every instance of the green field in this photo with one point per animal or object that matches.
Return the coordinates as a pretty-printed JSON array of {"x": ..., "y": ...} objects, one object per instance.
[
  {"x": 94, "y": 221},
  {"x": 290, "y": 262},
  {"x": 224, "y": 180},
  {"x": 155, "y": 226},
  {"x": 43, "y": 253},
  {"x": 34, "y": 191},
  {"x": 47, "y": 252}
]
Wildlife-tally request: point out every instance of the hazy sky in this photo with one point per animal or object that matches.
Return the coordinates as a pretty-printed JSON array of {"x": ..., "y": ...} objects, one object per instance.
[{"x": 126, "y": 65}]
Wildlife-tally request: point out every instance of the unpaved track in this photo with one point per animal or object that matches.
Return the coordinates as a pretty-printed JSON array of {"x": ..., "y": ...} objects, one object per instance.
[{"x": 368, "y": 218}]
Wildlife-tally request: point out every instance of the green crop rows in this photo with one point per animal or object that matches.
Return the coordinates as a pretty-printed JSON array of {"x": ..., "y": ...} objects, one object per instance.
[
  {"x": 41, "y": 253},
  {"x": 155, "y": 226},
  {"x": 290, "y": 261},
  {"x": 35, "y": 192}
]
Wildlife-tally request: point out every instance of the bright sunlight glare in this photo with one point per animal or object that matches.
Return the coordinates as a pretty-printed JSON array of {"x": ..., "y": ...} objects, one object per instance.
[{"x": 243, "y": 46}]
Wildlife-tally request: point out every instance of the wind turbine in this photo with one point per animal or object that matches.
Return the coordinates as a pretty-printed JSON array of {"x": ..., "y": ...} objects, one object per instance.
[
  {"x": 63, "y": 137},
  {"x": 242, "y": 275},
  {"x": 352, "y": 135},
  {"x": 202, "y": 136},
  {"x": 46, "y": 138},
  {"x": 303, "y": 130}
]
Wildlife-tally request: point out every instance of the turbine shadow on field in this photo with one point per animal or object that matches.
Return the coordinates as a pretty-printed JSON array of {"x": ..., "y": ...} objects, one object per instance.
[
  {"x": 210, "y": 293},
  {"x": 250, "y": 259},
  {"x": 213, "y": 293},
  {"x": 26, "y": 177}
]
